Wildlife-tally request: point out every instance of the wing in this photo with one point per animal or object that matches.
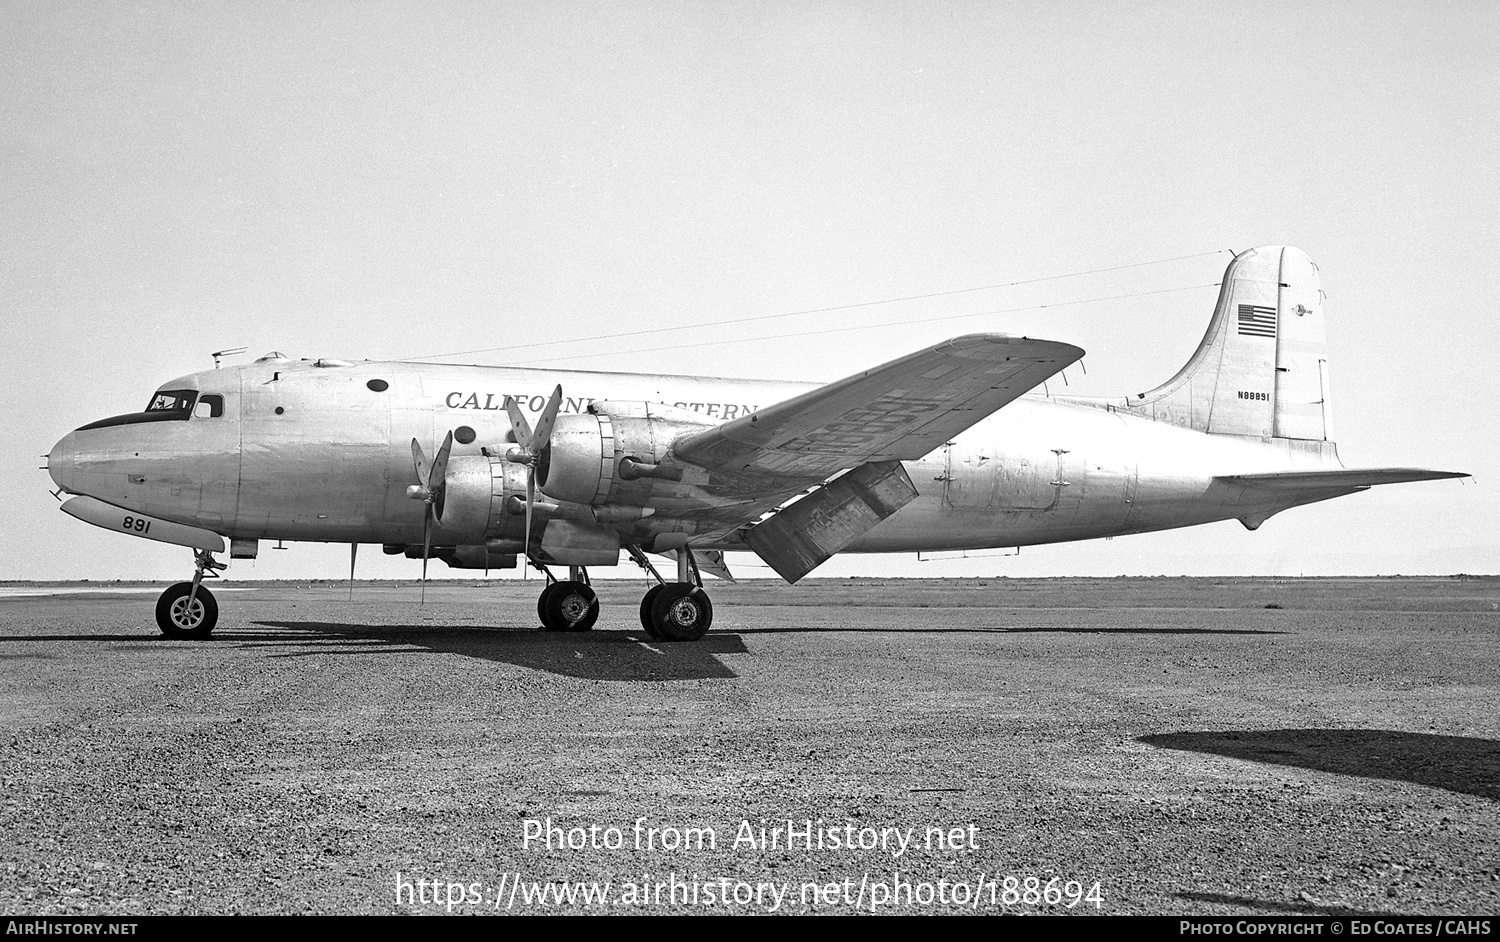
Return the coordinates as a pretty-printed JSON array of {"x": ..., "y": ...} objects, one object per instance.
[{"x": 900, "y": 411}]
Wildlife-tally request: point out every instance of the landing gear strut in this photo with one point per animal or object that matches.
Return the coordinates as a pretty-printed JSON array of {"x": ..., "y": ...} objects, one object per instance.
[
  {"x": 675, "y": 611},
  {"x": 570, "y": 605},
  {"x": 188, "y": 609}
]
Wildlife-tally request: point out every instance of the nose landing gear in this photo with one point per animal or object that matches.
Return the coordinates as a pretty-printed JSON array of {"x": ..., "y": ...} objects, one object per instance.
[{"x": 187, "y": 609}]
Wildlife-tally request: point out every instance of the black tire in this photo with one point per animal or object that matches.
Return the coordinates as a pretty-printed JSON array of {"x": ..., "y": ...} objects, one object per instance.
[
  {"x": 681, "y": 612},
  {"x": 646, "y": 602},
  {"x": 569, "y": 606},
  {"x": 541, "y": 602},
  {"x": 177, "y": 620}
]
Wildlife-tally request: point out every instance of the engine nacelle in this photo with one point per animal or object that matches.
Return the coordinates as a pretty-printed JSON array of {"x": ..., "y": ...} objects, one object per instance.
[
  {"x": 473, "y": 499},
  {"x": 595, "y": 454},
  {"x": 579, "y": 463}
]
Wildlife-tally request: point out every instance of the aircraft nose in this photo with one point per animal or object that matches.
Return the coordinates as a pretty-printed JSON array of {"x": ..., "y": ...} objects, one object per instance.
[{"x": 62, "y": 462}]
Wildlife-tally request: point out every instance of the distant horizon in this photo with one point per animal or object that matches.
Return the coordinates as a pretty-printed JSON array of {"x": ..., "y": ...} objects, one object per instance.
[{"x": 758, "y": 580}]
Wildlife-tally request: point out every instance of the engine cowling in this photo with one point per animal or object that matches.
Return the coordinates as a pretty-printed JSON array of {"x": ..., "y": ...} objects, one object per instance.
[
  {"x": 474, "y": 499},
  {"x": 579, "y": 463},
  {"x": 612, "y": 452}
]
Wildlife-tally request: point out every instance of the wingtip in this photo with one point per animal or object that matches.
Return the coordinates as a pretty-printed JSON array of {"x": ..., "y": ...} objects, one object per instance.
[{"x": 982, "y": 344}]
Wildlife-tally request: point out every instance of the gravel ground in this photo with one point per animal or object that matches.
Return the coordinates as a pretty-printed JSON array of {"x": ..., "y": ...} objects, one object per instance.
[{"x": 1190, "y": 746}]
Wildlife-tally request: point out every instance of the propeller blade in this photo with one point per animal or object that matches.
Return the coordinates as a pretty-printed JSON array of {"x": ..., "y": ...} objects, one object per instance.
[
  {"x": 440, "y": 463},
  {"x": 518, "y": 423},
  {"x": 544, "y": 423},
  {"x": 419, "y": 460},
  {"x": 353, "y": 551},
  {"x": 426, "y": 550},
  {"x": 532, "y": 445},
  {"x": 439, "y": 476},
  {"x": 530, "y": 499}
]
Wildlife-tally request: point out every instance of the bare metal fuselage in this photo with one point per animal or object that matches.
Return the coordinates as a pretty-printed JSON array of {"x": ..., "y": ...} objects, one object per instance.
[{"x": 302, "y": 452}]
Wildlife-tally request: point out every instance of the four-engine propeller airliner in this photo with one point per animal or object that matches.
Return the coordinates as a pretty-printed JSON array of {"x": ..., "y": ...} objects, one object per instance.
[{"x": 947, "y": 448}]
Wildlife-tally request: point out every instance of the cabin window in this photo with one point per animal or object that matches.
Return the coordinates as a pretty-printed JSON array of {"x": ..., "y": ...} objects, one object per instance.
[{"x": 209, "y": 407}]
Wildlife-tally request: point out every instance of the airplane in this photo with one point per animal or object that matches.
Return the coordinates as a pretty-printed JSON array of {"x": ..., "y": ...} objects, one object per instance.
[{"x": 947, "y": 448}]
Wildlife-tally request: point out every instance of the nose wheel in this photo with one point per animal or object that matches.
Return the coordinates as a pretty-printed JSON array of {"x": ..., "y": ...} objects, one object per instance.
[
  {"x": 188, "y": 610},
  {"x": 182, "y": 613}
]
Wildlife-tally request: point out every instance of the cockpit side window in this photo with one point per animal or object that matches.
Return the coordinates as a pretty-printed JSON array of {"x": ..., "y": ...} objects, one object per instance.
[
  {"x": 172, "y": 400},
  {"x": 210, "y": 406}
]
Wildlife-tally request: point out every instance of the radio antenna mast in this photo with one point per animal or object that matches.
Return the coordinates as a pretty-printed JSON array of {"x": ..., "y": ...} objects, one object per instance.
[{"x": 226, "y": 353}]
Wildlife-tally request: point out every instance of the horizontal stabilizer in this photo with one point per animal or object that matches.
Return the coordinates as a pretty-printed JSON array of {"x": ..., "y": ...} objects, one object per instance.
[{"x": 1342, "y": 479}]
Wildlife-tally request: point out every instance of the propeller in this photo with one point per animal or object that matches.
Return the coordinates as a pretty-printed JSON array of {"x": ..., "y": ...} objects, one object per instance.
[
  {"x": 531, "y": 446},
  {"x": 430, "y": 491}
]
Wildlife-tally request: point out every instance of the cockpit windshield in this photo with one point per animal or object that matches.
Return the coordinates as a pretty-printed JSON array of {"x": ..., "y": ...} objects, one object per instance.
[
  {"x": 172, "y": 400},
  {"x": 166, "y": 405}
]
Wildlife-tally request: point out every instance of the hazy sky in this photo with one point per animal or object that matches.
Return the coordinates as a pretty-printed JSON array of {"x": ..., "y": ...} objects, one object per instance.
[{"x": 389, "y": 180}]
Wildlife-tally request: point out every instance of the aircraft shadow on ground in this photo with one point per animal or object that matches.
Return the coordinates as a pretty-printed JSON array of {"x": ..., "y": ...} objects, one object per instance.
[
  {"x": 135, "y": 636},
  {"x": 1006, "y": 630},
  {"x": 590, "y": 655},
  {"x": 1460, "y": 764}
]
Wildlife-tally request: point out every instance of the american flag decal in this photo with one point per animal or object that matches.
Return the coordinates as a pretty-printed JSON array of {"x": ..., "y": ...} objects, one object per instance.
[{"x": 1257, "y": 321}]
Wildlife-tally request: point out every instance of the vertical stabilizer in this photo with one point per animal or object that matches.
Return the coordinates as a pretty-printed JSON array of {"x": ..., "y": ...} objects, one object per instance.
[{"x": 1262, "y": 368}]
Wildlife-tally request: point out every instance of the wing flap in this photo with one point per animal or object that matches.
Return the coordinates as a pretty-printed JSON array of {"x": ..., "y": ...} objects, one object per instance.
[
  {"x": 803, "y": 535},
  {"x": 899, "y": 411}
]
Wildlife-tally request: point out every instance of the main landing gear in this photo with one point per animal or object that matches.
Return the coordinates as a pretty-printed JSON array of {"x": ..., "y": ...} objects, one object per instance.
[
  {"x": 570, "y": 605},
  {"x": 188, "y": 609},
  {"x": 670, "y": 611},
  {"x": 675, "y": 611}
]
